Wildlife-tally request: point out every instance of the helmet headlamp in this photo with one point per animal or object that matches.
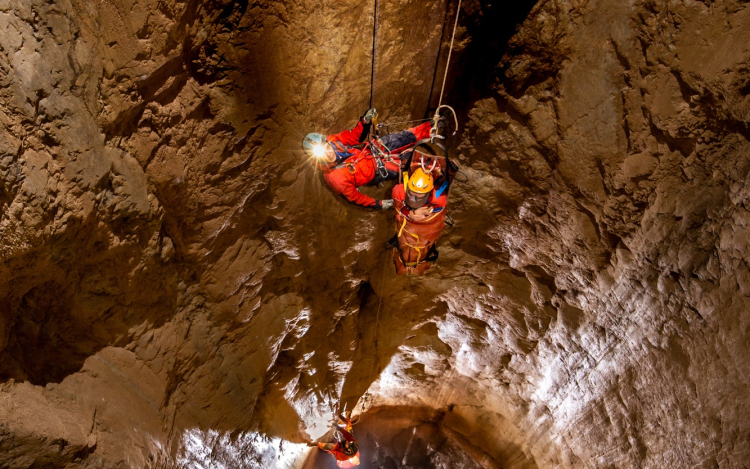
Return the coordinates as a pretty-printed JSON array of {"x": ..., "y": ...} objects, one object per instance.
[{"x": 319, "y": 150}]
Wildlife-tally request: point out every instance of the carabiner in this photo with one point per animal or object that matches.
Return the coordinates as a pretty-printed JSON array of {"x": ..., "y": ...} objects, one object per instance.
[{"x": 421, "y": 162}]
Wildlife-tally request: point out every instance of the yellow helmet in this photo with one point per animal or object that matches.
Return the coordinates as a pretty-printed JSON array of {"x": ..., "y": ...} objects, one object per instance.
[{"x": 419, "y": 182}]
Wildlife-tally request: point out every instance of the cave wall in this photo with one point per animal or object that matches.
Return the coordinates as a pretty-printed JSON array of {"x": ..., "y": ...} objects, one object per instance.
[
  {"x": 180, "y": 289},
  {"x": 152, "y": 192},
  {"x": 607, "y": 315}
]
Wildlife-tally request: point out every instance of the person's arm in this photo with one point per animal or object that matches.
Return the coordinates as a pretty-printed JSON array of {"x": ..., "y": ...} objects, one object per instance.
[
  {"x": 345, "y": 422},
  {"x": 398, "y": 193},
  {"x": 435, "y": 205},
  {"x": 339, "y": 183},
  {"x": 353, "y": 136}
]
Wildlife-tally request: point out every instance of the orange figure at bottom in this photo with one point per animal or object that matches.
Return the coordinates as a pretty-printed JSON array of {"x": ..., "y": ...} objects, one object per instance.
[{"x": 345, "y": 448}]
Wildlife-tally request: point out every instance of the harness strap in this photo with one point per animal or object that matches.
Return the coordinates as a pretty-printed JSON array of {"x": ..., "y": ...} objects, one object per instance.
[
  {"x": 441, "y": 189},
  {"x": 341, "y": 151},
  {"x": 403, "y": 225},
  {"x": 411, "y": 265}
]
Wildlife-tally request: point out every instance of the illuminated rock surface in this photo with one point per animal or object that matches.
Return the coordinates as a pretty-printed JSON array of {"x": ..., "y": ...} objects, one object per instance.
[{"x": 179, "y": 289}]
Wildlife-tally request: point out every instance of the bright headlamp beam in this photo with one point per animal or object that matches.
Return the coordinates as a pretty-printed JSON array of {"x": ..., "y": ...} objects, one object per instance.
[{"x": 319, "y": 151}]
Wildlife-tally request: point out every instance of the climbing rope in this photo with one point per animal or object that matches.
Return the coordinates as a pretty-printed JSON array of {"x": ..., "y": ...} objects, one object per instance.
[
  {"x": 437, "y": 59},
  {"x": 374, "y": 51},
  {"x": 433, "y": 132},
  {"x": 450, "y": 51}
]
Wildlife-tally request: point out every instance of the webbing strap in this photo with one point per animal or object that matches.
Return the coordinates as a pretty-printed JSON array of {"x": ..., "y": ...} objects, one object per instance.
[
  {"x": 442, "y": 189},
  {"x": 403, "y": 225}
]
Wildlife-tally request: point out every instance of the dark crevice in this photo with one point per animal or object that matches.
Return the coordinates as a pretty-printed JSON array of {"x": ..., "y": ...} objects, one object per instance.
[{"x": 490, "y": 26}]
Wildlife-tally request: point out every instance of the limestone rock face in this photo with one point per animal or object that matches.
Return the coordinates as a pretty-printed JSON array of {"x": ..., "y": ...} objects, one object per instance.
[{"x": 180, "y": 289}]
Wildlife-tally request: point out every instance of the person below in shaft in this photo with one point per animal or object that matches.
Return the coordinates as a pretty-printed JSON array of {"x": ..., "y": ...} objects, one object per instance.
[
  {"x": 345, "y": 448},
  {"x": 349, "y": 161},
  {"x": 419, "y": 196}
]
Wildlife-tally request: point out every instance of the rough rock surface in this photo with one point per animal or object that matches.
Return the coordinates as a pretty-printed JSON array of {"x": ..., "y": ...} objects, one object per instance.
[{"x": 179, "y": 289}]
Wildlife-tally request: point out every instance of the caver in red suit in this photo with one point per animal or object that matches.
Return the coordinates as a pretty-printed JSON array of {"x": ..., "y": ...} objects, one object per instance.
[
  {"x": 345, "y": 449},
  {"x": 349, "y": 162}
]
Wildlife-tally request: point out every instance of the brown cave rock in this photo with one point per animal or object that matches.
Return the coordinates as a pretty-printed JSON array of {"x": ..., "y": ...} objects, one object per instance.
[{"x": 180, "y": 289}]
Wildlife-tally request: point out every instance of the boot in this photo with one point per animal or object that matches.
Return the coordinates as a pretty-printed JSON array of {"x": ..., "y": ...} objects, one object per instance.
[
  {"x": 432, "y": 254},
  {"x": 392, "y": 243}
]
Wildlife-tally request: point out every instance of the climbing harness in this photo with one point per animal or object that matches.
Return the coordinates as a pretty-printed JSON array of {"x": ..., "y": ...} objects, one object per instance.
[{"x": 380, "y": 166}]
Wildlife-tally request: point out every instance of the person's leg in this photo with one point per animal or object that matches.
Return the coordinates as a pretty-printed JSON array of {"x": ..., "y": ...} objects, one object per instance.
[
  {"x": 401, "y": 139},
  {"x": 398, "y": 140}
]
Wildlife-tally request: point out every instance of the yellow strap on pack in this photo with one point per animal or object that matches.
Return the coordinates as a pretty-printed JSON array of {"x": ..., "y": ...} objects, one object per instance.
[{"x": 402, "y": 228}]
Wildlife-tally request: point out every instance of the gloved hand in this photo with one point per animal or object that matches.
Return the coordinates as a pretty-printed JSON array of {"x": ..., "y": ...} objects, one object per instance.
[
  {"x": 386, "y": 204},
  {"x": 370, "y": 115}
]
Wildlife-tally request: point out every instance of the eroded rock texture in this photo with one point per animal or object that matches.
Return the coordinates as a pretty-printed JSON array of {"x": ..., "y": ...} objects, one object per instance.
[{"x": 179, "y": 289}]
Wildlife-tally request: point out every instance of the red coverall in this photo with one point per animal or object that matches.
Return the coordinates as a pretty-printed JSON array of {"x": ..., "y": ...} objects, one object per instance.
[
  {"x": 357, "y": 167},
  {"x": 337, "y": 449}
]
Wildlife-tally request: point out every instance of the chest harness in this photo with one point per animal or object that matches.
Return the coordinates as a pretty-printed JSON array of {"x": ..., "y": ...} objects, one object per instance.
[{"x": 343, "y": 153}]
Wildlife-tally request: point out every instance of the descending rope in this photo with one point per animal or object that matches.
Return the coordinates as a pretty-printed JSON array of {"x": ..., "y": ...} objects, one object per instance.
[
  {"x": 450, "y": 51},
  {"x": 437, "y": 60},
  {"x": 374, "y": 51}
]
